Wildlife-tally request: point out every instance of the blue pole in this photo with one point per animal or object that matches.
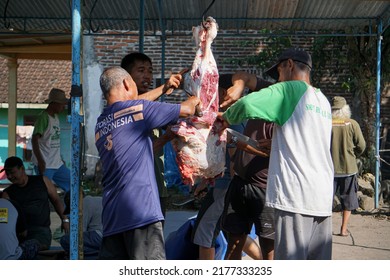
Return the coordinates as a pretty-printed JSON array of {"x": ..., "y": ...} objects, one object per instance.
[
  {"x": 378, "y": 111},
  {"x": 141, "y": 25},
  {"x": 75, "y": 130}
]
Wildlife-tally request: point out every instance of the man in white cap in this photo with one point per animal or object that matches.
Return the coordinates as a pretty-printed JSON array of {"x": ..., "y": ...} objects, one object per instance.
[
  {"x": 347, "y": 144},
  {"x": 46, "y": 141}
]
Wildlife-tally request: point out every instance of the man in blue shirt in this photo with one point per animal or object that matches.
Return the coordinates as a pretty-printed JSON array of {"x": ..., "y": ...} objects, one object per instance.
[{"x": 131, "y": 215}]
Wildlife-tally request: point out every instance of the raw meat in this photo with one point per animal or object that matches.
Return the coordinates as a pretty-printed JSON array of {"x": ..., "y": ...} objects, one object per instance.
[{"x": 201, "y": 142}]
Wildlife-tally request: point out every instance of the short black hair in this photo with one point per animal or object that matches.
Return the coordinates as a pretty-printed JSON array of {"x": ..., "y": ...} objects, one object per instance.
[
  {"x": 129, "y": 60},
  {"x": 12, "y": 162}
]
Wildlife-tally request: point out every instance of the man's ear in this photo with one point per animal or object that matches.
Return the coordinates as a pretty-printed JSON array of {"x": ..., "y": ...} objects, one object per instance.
[
  {"x": 290, "y": 63},
  {"x": 126, "y": 84}
]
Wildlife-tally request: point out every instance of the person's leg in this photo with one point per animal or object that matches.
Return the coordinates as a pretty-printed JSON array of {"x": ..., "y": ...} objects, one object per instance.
[
  {"x": 206, "y": 253},
  {"x": 236, "y": 244},
  {"x": 207, "y": 224},
  {"x": 61, "y": 178},
  {"x": 263, "y": 219},
  {"x": 113, "y": 248},
  {"x": 292, "y": 235},
  {"x": 145, "y": 243},
  {"x": 344, "y": 222},
  {"x": 267, "y": 248},
  {"x": 65, "y": 242},
  {"x": 320, "y": 245},
  {"x": 42, "y": 235},
  {"x": 348, "y": 199},
  {"x": 252, "y": 249},
  {"x": 235, "y": 222},
  {"x": 91, "y": 244},
  {"x": 30, "y": 249},
  {"x": 302, "y": 237}
]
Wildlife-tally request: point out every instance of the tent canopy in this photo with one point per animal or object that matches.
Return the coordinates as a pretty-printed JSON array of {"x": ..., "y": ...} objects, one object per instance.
[{"x": 43, "y": 28}]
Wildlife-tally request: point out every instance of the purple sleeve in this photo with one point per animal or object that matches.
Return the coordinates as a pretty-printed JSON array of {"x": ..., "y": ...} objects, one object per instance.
[{"x": 160, "y": 114}]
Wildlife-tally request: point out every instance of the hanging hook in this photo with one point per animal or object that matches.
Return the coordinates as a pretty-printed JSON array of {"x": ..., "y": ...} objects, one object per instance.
[
  {"x": 204, "y": 13},
  {"x": 7, "y": 25},
  {"x": 90, "y": 19}
]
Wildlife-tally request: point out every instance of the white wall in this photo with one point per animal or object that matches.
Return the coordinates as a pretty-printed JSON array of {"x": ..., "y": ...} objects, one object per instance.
[{"x": 92, "y": 101}]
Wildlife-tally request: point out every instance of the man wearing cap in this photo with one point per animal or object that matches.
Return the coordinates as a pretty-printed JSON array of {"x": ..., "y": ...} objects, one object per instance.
[
  {"x": 33, "y": 193},
  {"x": 46, "y": 141},
  {"x": 300, "y": 175},
  {"x": 347, "y": 144}
]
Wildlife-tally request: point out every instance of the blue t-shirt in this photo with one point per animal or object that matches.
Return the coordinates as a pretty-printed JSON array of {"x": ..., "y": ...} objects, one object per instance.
[{"x": 123, "y": 139}]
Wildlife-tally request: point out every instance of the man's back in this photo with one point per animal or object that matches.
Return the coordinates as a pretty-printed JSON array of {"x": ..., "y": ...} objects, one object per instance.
[
  {"x": 9, "y": 244},
  {"x": 92, "y": 213},
  {"x": 347, "y": 144}
]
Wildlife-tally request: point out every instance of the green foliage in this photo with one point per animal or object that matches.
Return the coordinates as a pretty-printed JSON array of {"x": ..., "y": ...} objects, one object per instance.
[
  {"x": 352, "y": 59},
  {"x": 270, "y": 47}
]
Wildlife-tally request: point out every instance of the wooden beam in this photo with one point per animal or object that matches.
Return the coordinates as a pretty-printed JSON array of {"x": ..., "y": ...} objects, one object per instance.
[
  {"x": 47, "y": 56},
  {"x": 12, "y": 97},
  {"x": 47, "y": 48}
]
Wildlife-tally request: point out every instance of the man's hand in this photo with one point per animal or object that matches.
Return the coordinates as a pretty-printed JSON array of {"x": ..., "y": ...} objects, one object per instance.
[
  {"x": 233, "y": 94},
  {"x": 187, "y": 107},
  {"x": 265, "y": 145},
  {"x": 224, "y": 122},
  {"x": 174, "y": 82},
  {"x": 65, "y": 226}
]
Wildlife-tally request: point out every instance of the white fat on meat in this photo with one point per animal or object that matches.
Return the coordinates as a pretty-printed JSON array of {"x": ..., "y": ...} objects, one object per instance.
[{"x": 201, "y": 143}]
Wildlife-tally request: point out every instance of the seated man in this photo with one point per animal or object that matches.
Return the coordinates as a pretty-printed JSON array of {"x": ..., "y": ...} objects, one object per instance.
[
  {"x": 33, "y": 193},
  {"x": 92, "y": 225},
  {"x": 13, "y": 231}
]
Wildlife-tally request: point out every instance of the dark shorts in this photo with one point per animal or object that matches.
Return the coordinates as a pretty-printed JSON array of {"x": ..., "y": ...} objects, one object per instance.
[
  {"x": 245, "y": 206},
  {"x": 144, "y": 243},
  {"x": 42, "y": 235},
  {"x": 347, "y": 187}
]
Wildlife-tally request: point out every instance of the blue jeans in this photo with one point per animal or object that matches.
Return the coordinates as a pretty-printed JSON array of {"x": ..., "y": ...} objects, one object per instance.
[
  {"x": 60, "y": 176},
  {"x": 91, "y": 244}
]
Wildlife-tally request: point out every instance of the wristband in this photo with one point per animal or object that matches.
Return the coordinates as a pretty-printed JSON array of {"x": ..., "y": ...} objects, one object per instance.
[{"x": 65, "y": 221}]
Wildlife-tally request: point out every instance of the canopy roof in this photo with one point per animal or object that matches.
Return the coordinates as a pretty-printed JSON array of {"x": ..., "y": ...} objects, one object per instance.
[{"x": 42, "y": 28}]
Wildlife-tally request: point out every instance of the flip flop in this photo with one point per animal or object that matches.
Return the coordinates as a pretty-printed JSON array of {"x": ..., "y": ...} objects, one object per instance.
[{"x": 342, "y": 235}]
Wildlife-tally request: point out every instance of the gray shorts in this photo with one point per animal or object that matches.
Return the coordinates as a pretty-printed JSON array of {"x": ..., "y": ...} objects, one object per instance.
[
  {"x": 302, "y": 237},
  {"x": 208, "y": 222},
  {"x": 144, "y": 243}
]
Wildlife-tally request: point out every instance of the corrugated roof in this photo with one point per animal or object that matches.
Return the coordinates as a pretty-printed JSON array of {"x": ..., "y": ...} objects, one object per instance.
[
  {"x": 42, "y": 28},
  {"x": 48, "y": 22},
  {"x": 54, "y": 16}
]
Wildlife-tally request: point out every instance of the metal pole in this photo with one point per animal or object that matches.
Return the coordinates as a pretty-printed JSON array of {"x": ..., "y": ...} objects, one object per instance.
[
  {"x": 75, "y": 132},
  {"x": 378, "y": 111},
  {"x": 141, "y": 25},
  {"x": 163, "y": 39}
]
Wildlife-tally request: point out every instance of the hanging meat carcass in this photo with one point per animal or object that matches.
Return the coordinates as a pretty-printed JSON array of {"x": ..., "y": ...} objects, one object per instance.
[{"x": 201, "y": 143}]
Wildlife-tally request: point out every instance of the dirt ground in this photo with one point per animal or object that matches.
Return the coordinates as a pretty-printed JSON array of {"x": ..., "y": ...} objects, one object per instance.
[{"x": 369, "y": 237}]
